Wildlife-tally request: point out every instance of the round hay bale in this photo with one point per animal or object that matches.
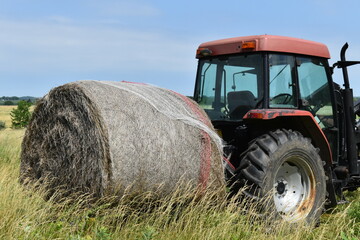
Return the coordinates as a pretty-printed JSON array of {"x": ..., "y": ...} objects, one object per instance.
[{"x": 101, "y": 137}]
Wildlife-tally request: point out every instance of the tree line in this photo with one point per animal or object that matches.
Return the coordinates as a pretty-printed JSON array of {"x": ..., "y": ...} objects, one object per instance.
[{"x": 4, "y": 100}]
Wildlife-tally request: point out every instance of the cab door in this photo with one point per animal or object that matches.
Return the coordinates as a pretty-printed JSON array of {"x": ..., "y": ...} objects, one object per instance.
[
  {"x": 304, "y": 82},
  {"x": 315, "y": 95}
]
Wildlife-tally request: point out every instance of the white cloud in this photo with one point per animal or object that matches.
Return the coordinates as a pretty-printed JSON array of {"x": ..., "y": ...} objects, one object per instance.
[
  {"x": 60, "y": 19},
  {"x": 42, "y": 46}
]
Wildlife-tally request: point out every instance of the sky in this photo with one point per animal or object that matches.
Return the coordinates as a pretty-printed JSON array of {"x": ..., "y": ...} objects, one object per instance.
[{"x": 47, "y": 43}]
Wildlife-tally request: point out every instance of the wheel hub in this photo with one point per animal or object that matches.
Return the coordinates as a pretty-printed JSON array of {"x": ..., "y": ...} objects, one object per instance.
[
  {"x": 280, "y": 188},
  {"x": 291, "y": 187}
]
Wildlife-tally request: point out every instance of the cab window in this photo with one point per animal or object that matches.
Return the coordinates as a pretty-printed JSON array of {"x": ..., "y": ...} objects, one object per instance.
[
  {"x": 282, "y": 81},
  {"x": 314, "y": 89},
  {"x": 230, "y": 85}
]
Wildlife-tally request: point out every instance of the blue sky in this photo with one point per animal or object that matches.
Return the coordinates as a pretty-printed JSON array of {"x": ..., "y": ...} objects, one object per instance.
[{"x": 47, "y": 43}]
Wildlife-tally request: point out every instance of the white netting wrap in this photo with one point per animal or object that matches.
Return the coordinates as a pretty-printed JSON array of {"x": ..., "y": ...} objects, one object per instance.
[{"x": 183, "y": 109}]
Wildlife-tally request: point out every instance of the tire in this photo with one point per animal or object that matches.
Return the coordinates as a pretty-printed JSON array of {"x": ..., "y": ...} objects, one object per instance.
[{"x": 284, "y": 168}]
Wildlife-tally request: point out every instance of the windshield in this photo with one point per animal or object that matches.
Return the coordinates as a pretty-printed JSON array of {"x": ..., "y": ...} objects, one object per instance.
[{"x": 228, "y": 87}]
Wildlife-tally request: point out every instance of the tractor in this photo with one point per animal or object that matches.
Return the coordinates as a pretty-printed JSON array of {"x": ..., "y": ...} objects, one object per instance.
[{"x": 290, "y": 133}]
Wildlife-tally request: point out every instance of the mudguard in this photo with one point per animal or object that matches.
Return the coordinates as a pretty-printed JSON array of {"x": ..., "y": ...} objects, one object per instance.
[{"x": 303, "y": 121}]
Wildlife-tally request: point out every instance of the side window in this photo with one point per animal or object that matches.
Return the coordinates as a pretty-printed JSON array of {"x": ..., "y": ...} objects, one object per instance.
[
  {"x": 282, "y": 91},
  {"x": 229, "y": 86},
  {"x": 207, "y": 91},
  {"x": 314, "y": 89}
]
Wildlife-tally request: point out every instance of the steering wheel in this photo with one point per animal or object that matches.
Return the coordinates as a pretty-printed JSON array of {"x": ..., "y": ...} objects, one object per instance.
[{"x": 282, "y": 98}]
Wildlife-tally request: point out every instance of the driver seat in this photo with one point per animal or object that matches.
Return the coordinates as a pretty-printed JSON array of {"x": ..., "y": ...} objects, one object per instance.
[{"x": 239, "y": 103}]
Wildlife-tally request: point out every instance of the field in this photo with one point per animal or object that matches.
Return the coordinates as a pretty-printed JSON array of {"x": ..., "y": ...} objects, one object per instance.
[
  {"x": 5, "y": 114},
  {"x": 24, "y": 214}
]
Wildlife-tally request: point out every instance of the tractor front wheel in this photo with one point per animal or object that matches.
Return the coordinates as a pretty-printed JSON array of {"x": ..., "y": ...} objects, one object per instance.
[{"x": 285, "y": 168}]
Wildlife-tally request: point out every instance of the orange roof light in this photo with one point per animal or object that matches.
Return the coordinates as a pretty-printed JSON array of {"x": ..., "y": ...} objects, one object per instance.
[
  {"x": 203, "y": 52},
  {"x": 248, "y": 45}
]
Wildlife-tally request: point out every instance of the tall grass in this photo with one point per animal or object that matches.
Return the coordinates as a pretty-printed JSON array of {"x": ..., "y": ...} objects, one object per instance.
[{"x": 182, "y": 215}]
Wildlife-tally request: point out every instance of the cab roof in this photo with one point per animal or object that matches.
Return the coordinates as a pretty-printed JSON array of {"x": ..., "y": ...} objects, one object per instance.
[{"x": 265, "y": 43}]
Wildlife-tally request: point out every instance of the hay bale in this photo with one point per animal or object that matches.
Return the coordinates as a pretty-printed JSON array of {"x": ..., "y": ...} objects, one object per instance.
[{"x": 100, "y": 137}]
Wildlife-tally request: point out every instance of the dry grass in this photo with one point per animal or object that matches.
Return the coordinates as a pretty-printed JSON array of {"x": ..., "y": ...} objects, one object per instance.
[
  {"x": 5, "y": 114},
  {"x": 182, "y": 215}
]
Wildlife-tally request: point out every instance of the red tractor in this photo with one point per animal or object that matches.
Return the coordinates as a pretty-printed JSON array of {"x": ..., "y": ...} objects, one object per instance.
[{"x": 289, "y": 130}]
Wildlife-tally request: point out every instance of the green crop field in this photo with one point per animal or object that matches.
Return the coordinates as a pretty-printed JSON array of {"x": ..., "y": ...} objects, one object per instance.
[{"x": 24, "y": 214}]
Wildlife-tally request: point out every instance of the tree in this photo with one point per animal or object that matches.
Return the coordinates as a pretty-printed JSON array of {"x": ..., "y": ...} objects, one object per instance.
[{"x": 20, "y": 116}]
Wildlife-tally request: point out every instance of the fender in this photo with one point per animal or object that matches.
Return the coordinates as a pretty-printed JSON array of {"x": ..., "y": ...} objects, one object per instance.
[{"x": 300, "y": 120}]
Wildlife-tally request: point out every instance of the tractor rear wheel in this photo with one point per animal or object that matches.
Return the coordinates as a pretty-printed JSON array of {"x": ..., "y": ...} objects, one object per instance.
[{"x": 285, "y": 168}]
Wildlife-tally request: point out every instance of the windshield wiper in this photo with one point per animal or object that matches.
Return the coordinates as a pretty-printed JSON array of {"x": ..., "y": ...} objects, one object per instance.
[{"x": 279, "y": 73}]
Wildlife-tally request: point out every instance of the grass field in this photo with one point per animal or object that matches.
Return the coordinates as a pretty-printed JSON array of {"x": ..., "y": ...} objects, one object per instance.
[
  {"x": 5, "y": 114},
  {"x": 25, "y": 215}
]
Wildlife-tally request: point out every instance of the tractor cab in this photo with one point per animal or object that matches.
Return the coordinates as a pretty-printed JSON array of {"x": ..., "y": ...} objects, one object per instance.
[
  {"x": 241, "y": 74},
  {"x": 264, "y": 72}
]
